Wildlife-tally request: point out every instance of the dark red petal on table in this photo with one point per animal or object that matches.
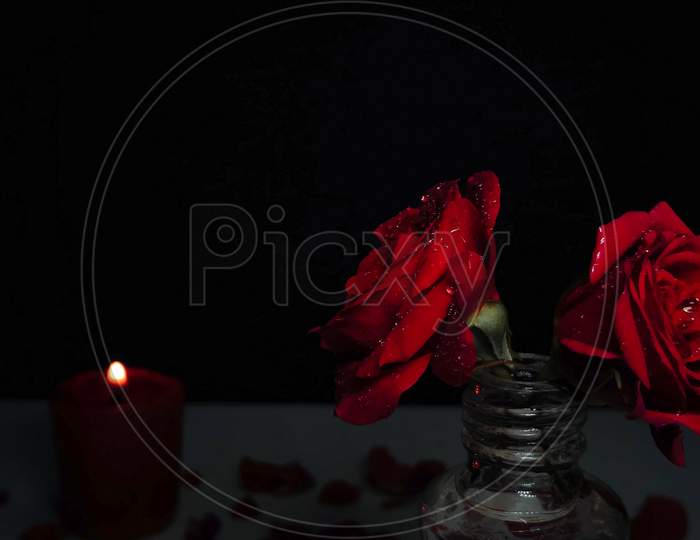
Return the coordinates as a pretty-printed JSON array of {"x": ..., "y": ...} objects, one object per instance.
[
  {"x": 628, "y": 230},
  {"x": 454, "y": 357},
  {"x": 363, "y": 401},
  {"x": 384, "y": 473},
  {"x": 246, "y": 507},
  {"x": 422, "y": 473},
  {"x": 263, "y": 477},
  {"x": 664, "y": 218},
  {"x": 397, "y": 479},
  {"x": 339, "y": 493},
  {"x": 661, "y": 518},
  {"x": 585, "y": 319},
  {"x": 205, "y": 528},
  {"x": 484, "y": 190},
  {"x": 416, "y": 327},
  {"x": 4, "y": 497}
]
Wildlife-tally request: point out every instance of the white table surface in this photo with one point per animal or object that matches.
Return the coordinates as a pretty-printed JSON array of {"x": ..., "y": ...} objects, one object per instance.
[{"x": 216, "y": 435}]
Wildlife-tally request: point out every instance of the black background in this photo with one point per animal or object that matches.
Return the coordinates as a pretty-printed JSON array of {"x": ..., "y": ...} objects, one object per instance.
[{"x": 343, "y": 122}]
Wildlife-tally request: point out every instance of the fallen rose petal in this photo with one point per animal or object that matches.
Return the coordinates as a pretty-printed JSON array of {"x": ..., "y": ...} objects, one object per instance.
[
  {"x": 44, "y": 531},
  {"x": 661, "y": 518},
  {"x": 339, "y": 493},
  {"x": 4, "y": 497},
  {"x": 389, "y": 476},
  {"x": 205, "y": 528},
  {"x": 246, "y": 507},
  {"x": 385, "y": 474},
  {"x": 262, "y": 477},
  {"x": 422, "y": 473}
]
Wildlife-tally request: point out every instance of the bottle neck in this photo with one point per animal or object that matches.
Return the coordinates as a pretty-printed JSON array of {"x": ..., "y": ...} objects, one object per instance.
[
  {"x": 514, "y": 417},
  {"x": 523, "y": 435}
]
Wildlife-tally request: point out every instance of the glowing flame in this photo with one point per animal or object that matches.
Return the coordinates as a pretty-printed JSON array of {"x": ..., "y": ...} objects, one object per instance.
[{"x": 116, "y": 374}]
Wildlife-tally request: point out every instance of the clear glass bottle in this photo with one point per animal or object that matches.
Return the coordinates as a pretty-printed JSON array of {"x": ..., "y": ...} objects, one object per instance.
[{"x": 522, "y": 479}]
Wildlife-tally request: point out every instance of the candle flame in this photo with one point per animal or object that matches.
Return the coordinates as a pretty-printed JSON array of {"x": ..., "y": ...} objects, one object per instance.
[{"x": 116, "y": 374}]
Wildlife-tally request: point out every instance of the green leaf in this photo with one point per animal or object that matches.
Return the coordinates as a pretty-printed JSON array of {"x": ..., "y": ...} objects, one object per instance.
[{"x": 491, "y": 332}]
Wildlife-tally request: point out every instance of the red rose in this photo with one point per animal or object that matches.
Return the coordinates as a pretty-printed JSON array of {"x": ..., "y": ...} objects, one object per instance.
[
  {"x": 644, "y": 294},
  {"x": 408, "y": 301}
]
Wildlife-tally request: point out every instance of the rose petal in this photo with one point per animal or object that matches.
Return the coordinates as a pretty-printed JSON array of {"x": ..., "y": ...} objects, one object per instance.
[
  {"x": 370, "y": 269},
  {"x": 205, "y": 528},
  {"x": 458, "y": 231},
  {"x": 363, "y": 401},
  {"x": 400, "y": 480},
  {"x": 469, "y": 275},
  {"x": 357, "y": 329},
  {"x": 386, "y": 474},
  {"x": 454, "y": 357},
  {"x": 664, "y": 218},
  {"x": 414, "y": 329},
  {"x": 404, "y": 221},
  {"x": 661, "y": 518},
  {"x": 422, "y": 473},
  {"x": 651, "y": 349},
  {"x": 262, "y": 477},
  {"x": 627, "y": 230},
  {"x": 484, "y": 190},
  {"x": 585, "y": 318},
  {"x": 629, "y": 339}
]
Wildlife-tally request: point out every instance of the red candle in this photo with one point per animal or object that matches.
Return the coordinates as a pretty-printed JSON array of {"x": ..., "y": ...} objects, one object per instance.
[{"x": 112, "y": 486}]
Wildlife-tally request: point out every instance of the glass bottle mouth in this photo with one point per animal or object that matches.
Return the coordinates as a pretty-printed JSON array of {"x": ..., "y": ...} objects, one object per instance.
[{"x": 519, "y": 415}]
